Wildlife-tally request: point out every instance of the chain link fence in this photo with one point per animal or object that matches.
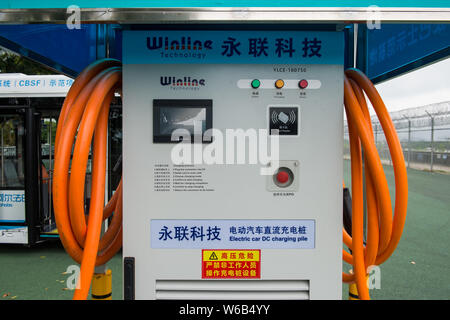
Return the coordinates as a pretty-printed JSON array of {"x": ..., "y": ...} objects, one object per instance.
[{"x": 424, "y": 134}]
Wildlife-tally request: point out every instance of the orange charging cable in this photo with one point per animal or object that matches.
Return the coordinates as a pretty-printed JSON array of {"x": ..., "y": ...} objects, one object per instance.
[
  {"x": 85, "y": 115},
  {"x": 384, "y": 228},
  {"x": 86, "y": 108}
]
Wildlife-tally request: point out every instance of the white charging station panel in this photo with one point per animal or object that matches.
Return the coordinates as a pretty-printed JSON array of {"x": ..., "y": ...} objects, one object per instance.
[{"x": 194, "y": 227}]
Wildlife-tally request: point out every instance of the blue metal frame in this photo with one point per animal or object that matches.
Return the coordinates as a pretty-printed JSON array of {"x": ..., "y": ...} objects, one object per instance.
[
  {"x": 422, "y": 62},
  {"x": 399, "y": 48},
  {"x": 63, "y": 50},
  {"x": 24, "y": 52}
]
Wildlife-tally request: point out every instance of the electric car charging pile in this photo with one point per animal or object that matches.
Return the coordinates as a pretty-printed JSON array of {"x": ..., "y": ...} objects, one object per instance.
[{"x": 179, "y": 218}]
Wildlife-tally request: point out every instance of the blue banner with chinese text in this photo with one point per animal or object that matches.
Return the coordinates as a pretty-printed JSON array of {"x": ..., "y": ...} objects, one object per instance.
[
  {"x": 233, "y": 234},
  {"x": 239, "y": 47}
]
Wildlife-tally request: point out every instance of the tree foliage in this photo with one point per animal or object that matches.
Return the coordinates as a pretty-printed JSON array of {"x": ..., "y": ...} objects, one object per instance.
[{"x": 13, "y": 63}]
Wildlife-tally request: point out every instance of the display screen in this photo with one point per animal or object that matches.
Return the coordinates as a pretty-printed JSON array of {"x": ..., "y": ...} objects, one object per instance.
[
  {"x": 191, "y": 119},
  {"x": 176, "y": 120}
]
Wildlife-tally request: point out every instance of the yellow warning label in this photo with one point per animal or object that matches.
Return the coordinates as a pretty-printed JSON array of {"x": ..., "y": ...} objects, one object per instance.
[{"x": 231, "y": 255}]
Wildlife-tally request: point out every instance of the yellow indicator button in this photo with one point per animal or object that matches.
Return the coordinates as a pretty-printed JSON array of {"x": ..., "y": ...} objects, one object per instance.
[{"x": 279, "y": 84}]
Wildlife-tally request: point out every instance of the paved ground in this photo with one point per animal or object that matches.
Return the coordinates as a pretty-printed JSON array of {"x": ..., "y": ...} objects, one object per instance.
[{"x": 419, "y": 269}]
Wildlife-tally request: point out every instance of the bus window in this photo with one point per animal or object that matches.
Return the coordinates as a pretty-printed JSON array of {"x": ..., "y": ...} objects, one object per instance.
[{"x": 11, "y": 151}]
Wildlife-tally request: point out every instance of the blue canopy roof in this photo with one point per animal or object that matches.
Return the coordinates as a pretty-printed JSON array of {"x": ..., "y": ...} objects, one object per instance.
[{"x": 383, "y": 53}]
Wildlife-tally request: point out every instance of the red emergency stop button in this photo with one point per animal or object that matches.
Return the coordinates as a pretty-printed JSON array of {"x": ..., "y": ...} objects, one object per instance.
[{"x": 282, "y": 177}]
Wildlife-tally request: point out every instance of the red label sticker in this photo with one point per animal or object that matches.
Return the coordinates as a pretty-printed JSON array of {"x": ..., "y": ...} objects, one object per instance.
[{"x": 231, "y": 264}]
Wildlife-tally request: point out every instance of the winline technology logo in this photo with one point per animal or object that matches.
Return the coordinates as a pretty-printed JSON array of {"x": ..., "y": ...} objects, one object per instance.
[
  {"x": 182, "y": 83},
  {"x": 179, "y": 48}
]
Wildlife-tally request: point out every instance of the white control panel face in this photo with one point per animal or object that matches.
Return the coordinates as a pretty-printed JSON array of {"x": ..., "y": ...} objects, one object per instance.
[{"x": 232, "y": 156}]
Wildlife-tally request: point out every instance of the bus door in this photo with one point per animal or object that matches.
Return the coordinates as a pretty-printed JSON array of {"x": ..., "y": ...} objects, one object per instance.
[{"x": 20, "y": 206}]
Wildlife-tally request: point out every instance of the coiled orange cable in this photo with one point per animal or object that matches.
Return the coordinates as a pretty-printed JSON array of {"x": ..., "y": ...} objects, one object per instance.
[
  {"x": 384, "y": 229},
  {"x": 86, "y": 108}
]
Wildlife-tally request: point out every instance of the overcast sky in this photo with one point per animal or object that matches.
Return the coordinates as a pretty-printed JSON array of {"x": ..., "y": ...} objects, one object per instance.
[{"x": 427, "y": 85}]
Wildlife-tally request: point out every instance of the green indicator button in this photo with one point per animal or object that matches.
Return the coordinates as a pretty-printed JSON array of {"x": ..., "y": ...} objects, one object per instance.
[{"x": 256, "y": 83}]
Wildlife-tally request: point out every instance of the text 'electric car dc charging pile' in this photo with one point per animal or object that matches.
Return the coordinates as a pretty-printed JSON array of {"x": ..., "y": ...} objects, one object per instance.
[{"x": 226, "y": 231}]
